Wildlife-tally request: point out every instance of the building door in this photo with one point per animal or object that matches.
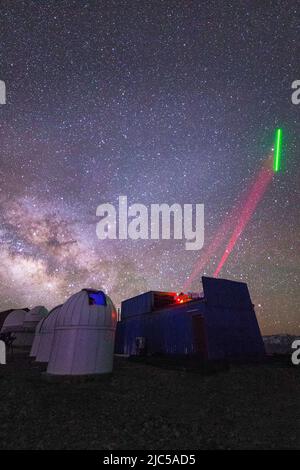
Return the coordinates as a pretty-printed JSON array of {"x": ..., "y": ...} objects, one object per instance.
[{"x": 199, "y": 336}]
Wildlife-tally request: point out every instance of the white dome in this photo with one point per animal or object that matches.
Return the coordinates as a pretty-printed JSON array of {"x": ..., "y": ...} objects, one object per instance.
[
  {"x": 37, "y": 337},
  {"x": 49, "y": 322},
  {"x": 46, "y": 334},
  {"x": 34, "y": 316},
  {"x": 14, "y": 321},
  {"x": 84, "y": 335},
  {"x": 79, "y": 311}
]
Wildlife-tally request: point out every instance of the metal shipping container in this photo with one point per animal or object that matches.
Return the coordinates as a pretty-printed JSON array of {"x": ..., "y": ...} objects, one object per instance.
[{"x": 221, "y": 325}]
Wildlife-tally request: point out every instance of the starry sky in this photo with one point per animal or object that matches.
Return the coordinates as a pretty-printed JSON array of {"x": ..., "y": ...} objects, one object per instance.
[{"x": 162, "y": 101}]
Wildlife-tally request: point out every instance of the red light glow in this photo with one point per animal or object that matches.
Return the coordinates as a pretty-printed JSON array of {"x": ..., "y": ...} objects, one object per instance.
[
  {"x": 229, "y": 222},
  {"x": 255, "y": 195},
  {"x": 211, "y": 249},
  {"x": 182, "y": 298}
]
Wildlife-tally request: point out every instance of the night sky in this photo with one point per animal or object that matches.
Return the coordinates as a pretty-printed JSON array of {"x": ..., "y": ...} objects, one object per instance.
[{"x": 162, "y": 101}]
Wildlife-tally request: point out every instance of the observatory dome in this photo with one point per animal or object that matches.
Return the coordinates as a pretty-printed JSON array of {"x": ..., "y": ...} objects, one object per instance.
[
  {"x": 14, "y": 323},
  {"x": 46, "y": 335},
  {"x": 33, "y": 317},
  {"x": 84, "y": 335},
  {"x": 36, "y": 339}
]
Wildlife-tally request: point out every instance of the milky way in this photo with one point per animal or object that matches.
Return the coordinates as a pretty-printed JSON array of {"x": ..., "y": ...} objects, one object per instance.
[{"x": 164, "y": 102}]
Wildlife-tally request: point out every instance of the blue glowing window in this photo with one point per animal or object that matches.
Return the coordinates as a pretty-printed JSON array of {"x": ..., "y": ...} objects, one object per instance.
[{"x": 97, "y": 298}]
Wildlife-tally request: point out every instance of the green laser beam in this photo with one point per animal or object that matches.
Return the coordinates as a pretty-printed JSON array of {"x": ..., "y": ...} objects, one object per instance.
[{"x": 277, "y": 150}]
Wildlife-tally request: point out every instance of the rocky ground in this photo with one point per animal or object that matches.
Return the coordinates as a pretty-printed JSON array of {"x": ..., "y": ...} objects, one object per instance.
[{"x": 147, "y": 407}]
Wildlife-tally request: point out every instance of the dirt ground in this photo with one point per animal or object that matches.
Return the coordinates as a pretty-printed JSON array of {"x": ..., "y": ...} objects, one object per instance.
[{"x": 147, "y": 407}]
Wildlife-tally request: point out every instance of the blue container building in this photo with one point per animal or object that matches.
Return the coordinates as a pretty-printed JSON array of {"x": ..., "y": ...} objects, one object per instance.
[{"x": 221, "y": 324}]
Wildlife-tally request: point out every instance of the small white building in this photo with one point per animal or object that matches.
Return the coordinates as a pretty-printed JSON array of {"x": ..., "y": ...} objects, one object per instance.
[
  {"x": 84, "y": 335},
  {"x": 46, "y": 335}
]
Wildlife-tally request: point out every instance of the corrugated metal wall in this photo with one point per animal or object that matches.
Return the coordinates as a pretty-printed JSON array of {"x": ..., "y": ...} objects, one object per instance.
[
  {"x": 145, "y": 303},
  {"x": 138, "y": 305},
  {"x": 232, "y": 333},
  {"x": 167, "y": 331}
]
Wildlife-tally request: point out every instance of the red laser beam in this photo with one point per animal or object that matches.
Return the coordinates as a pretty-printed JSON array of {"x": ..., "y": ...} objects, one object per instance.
[
  {"x": 221, "y": 234},
  {"x": 255, "y": 195},
  {"x": 214, "y": 245}
]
